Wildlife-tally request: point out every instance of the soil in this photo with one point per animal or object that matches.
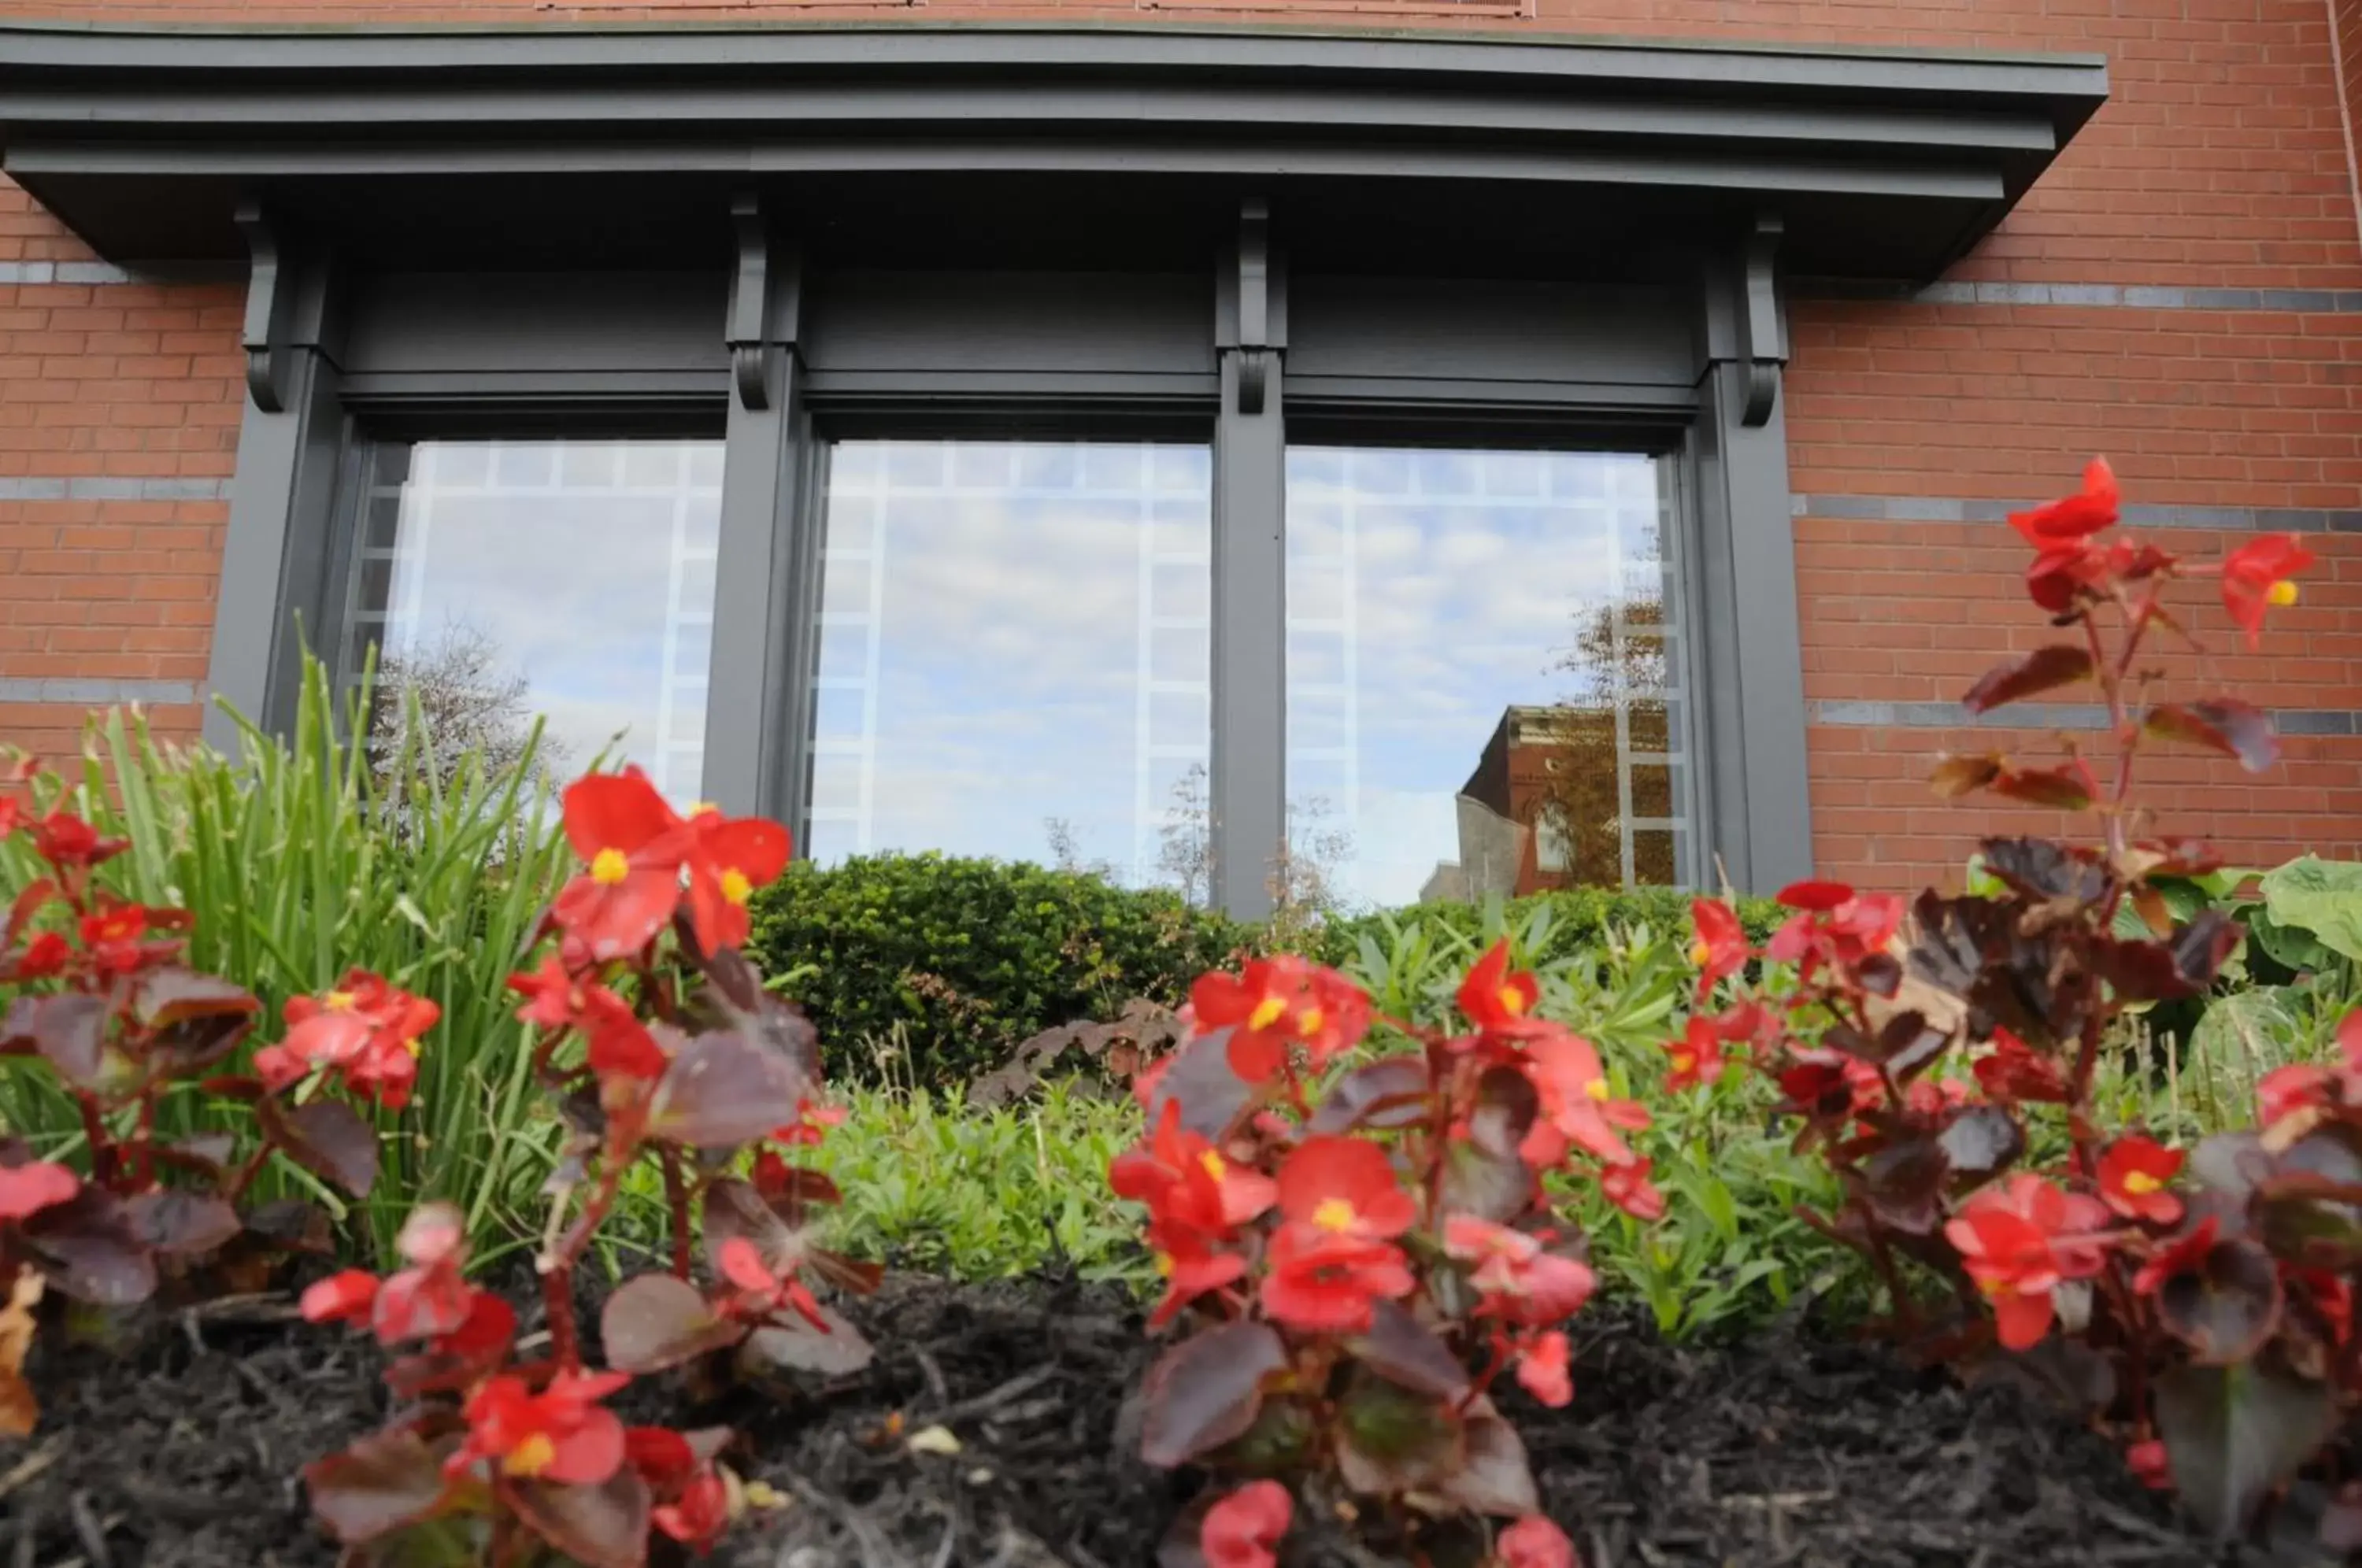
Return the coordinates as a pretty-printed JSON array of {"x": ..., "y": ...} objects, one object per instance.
[{"x": 1789, "y": 1448}]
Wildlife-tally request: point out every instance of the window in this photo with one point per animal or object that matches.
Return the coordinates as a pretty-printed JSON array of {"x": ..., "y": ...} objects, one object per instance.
[
  {"x": 1013, "y": 655},
  {"x": 572, "y": 579},
  {"x": 1486, "y": 682}
]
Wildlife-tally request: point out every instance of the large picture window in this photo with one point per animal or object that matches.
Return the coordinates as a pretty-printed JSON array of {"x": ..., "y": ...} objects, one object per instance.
[
  {"x": 1012, "y": 655},
  {"x": 1485, "y": 677},
  {"x": 572, "y": 579}
]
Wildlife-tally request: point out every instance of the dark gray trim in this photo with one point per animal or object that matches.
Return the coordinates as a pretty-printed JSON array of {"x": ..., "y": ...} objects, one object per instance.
[
  {"x": 1905, "y": 157},
  {"x": 2105, "y": 296},
  {"x": 86, "y": 487},
  {"x": 96, "y": 693},
  {"x": 1962, "y": 509},
  {"x": 1849, "y": 715},
  {"x": 1249, "y": 755}
]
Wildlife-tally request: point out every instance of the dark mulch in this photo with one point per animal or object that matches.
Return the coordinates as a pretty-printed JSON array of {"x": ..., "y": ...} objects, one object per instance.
[{"x": 1788, "y": 1449}]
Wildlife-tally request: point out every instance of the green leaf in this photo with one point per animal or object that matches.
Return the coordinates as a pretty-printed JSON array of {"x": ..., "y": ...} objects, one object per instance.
[
  {"x": 1206, "y": 1391},
  {"x": 2235, "y": 1433},
  {"x": 2323, "y": 897}
]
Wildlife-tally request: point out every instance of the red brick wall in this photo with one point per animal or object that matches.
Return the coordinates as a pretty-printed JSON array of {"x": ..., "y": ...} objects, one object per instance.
[{"x": 2221, "y": 162}]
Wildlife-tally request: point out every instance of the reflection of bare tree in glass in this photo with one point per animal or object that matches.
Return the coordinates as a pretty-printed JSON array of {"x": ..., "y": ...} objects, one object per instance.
[
  {"x": 1582, "y": 796},
  {"x": 1303, "y": 881},
  {"x": 466, "y": 701},
  {"x": 1185, "y": 855},
  {"x": 1066, "y": 852}
]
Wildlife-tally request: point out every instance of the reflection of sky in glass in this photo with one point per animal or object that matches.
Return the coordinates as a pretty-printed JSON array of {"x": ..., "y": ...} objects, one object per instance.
[
  {"x": 588, "y": 565},
  {"x": 1010, "y": 634},
  {"x": 1428, "y": 592}
]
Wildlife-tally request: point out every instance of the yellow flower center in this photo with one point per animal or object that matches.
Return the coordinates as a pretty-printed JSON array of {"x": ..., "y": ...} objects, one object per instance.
[
  {"x": 1994, "y": 1288},
  {"x": 530, "y": 1457},
  {"x": 1165, "y": 1264},
  {"x": 1700, "y": 952},
  {"x": 610, "y": 867},
  {"x": 734, "y": 886},
  {"x": 1334, "y": 1214},
  {"x": 2282, "y": 592},
  {"x": 1266, "y": 1013},
  {"x": 1596, "y": 1088},
  {"x": 1308, "y": 1022},
  {"x": 705, "y": 808},
  {"x": 338, "y": 1001},
  {"x": 1684, "y": 1061},
  {"x": 1212, "y": 1164},
  {"x": 2140, "y": 1184},
  {"x": 1512, "y": 1001}
]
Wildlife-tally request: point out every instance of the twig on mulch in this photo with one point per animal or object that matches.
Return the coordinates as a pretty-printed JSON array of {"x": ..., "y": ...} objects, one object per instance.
[
  {"x": 875, "y": 1551},
  {"x": 32, "y": 1465},
  {"x": 1008, "y": 1393}
]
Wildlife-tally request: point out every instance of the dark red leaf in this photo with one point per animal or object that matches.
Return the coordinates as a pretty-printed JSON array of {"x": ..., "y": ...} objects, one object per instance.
[
  {"x": 290, "y": 1224},
  {"x": 655, "y": 1322},
  {"x": 2184, "y": 966},
  {"x": 1395, "y": 1440},
  {"x": 723, "y": 1090},
  {"x": 1204, "y": 1391},
  {"x": 1958, "y": 776},
  {"x": 2225, "y": 1308},
  {"x": 69, "y": 1031},
  {"x": 23, "y": 907},
  {"x": 1492, "y": 1187},
  {"x": 1901, "y": 1182},
  {"x": 385, "y": 1481},
  {"x": 1504, "y": 1110},
  {"x": 735, "y": 1210},
  {"x": 182, "y": 1222},
  {"x": 1980, "y": 1142},
  {"x": 327, "y": 1137},
  {"x": 173, "y": 996},
  {"x": 796, "y": 1345},
  {"x": 857, "y": 1274},
  {"x": 2233, "y": 1434},
  {"x": 2059, "y": 789},
  {"x": 1391, "y": 1092},
  {"x": 1201, "y": 1082},
  {"x": 2029, "y": 675},
  {"x": 2235, "y": 728},
  {"x": 2042, "y": 869},
  {"x": 1403, "y": 1350},
  {"x": 90, "y": 1250},
  {"x": 604, "y": 1526},
  {"x": 1278, "y": 1443},
  {"x": 1493, "y": 1476}
]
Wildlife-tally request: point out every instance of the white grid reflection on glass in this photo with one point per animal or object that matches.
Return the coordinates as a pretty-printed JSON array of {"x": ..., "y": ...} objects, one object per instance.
[
  {"x": 1001, "y": 514},
  {"x": 587, "y": 566},
  {"x": 1403, "y": 656}
]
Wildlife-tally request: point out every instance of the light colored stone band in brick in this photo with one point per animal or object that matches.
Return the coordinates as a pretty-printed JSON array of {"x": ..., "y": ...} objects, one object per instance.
[
  {"x": 2045, "y": 716},
  {"x": 86, "y": 488},
  {"x": 1955, "y": 508},
  {"x": 2113, "y": 296},
  {"x": 97, "y": 693}
]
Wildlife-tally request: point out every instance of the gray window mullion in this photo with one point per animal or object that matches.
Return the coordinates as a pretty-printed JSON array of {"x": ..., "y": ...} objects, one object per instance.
[{"x": 1249, "y": 654}]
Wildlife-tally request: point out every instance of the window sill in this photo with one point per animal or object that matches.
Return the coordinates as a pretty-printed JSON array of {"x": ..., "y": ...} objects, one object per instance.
[{"x": 1522, "y": 9}]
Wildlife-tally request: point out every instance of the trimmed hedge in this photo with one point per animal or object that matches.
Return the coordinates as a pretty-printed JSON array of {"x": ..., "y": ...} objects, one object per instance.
[
  {"x": 954, "y": 963},
  {"x": 967, "y": 958}
]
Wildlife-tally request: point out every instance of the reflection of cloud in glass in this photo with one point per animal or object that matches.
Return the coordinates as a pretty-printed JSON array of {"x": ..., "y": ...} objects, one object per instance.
[
  {"x": 1428, "y": 592},
  {"x": 1011, "y": 633},
  {"x": 586, "y": 564}
]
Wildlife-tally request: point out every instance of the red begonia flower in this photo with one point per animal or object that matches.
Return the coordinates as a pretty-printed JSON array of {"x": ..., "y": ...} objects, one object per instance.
[
  {"x": 633, "y": 844},
  {"x": 562, "y": 1434},
  {"x": 763, "y": 1291},
  {"x": 2077, "y": 516},
  {"x": 2018, "y": 1241},
  {"x": 1721, "y": 949},
  {"x": 111, "y": 937},
  {"x": 623, "y": 1047},
  {"x": 12, "y": 815},
  {"x": 1497, "y": 999},
  {"x": 556, "y": 998},
  {"x": 428, "y": 1298},
  {"x": 1816, "y": 898},
  {"x": 1325, "y": 1282},
  {"x": 1244, "y": 1529},
  {"x": 2149, "y": 1462},
  {"x": 1628, "y": 1187},
  {"x": 1520, "y": 1279},
  {"x": 728, "y": 858},
  {"x": 341, "y": 1298},
  {"x": 1543, "y": 1371},
  {"x": 2134, "y": 1171},
  {"x": 2014, "y": 1074},
  {"x": 1191, "y": 1266},
  {"x": 1186, "y": 1182},
  {"x": 1696, "y": 1056},
  {"x": 45, "y": 956},
  {"x": 1577, "y": 1105},
  {"x": 69, "y": 843},
  {"x": 1534, "y": 1543},
  {"x": 2284, "y": 1091},
  {"x": 364, "y": 1030},
  {"x": 27, "y": 1189},
  {"x": 698, "y": 1514},
  {"x": 2259, "y": 575},
  {"x": 1276, "y": 1002},
  {"x": 1345, "y": 1186}
]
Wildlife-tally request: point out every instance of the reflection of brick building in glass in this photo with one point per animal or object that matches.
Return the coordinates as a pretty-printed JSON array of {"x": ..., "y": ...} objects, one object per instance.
[{"x": 1565, "y": 797}]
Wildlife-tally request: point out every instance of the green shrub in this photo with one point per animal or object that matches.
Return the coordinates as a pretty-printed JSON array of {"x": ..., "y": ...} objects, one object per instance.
[
  {"x": 1578, "y": 919},
  {"x": 951, "y": 963},
  {"x": 300, "y": 860}
]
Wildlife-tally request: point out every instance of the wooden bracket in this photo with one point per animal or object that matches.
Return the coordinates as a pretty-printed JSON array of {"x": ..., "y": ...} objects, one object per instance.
[
  {"x": 1254, "y": 305},
  {"x": 1758, "y": 321},
  {"x": 270, "y": 309}
]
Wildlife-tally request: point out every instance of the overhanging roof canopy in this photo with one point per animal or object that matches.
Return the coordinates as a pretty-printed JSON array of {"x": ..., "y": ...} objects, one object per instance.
[{"x": 1881, "y": 164}]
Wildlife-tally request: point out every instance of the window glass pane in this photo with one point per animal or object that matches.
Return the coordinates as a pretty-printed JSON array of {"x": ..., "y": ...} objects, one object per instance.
[
  {"x": 1013, "y": 655},
  {"x": 568, "y": 578},
  {"x": 1483, "y": 675}
]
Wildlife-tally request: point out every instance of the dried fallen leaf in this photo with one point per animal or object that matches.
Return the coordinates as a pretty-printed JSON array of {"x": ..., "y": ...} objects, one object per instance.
[
  {"x": 18, "y": 1410},
  {"x": 934, "y": 1439}
]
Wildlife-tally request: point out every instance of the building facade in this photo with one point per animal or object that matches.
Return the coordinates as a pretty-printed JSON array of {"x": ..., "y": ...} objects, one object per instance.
[{"x": 1151, "y": 437}]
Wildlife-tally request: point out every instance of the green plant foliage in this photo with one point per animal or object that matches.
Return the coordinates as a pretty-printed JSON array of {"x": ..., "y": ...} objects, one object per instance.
[
  {"x": 954, "y": 962},
  {"x": 301, "y": 860},
  {"x": 2312, "y": 910},
  {"x": 1551, "y": 925}
]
